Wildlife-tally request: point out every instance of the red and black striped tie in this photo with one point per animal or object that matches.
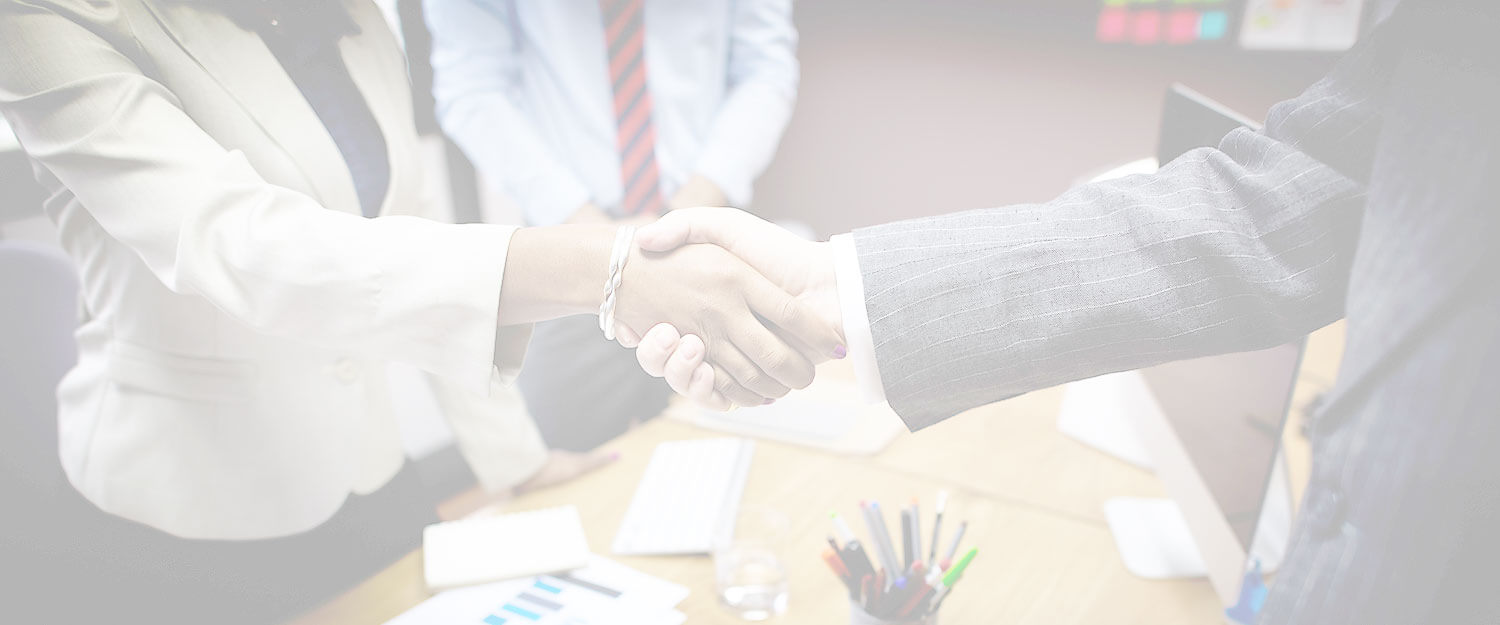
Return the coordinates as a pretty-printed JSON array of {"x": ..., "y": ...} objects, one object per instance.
[{"x": 625, "y": 39}]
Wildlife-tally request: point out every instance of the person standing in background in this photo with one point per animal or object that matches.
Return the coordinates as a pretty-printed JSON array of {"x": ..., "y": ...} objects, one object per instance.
[{"x": 610, "y": 110}]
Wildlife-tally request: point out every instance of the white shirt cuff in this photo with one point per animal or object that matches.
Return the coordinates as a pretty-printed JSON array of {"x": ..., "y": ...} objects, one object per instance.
[{"x": 851, "y": 285}]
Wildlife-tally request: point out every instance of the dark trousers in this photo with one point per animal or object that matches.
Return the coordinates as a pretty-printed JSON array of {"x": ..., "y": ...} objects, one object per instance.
[
  {"x": 583, "y": 390},
  {"x": 72, "y": 563}
]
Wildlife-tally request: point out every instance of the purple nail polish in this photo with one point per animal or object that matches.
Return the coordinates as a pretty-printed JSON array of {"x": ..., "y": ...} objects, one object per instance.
[
  {"x": 839, "y": 352},
  {"x": 614, "y": 455},
  {"x": 768, "y": 402}
]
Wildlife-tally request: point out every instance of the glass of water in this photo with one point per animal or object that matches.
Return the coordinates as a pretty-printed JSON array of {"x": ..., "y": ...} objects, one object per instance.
[{"x": 747, "y": 564}]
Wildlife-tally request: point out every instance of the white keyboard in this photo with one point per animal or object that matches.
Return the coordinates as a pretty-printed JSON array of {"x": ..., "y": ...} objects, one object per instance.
[{"x": 688, "y": 498}]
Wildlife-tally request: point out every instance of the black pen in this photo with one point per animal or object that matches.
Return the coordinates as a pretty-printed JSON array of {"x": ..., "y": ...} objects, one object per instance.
[
  {"x": 852, "y": 552},
  {"x": 953, "y": 548},
  {"x": 937, "y": 527},
  {"x": 916, "y": 533},
  {"x": 906, "y": 529}
]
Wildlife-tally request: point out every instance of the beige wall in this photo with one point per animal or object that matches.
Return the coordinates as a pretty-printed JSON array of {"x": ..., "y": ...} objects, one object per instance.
[{"x": 917, "y": 108}]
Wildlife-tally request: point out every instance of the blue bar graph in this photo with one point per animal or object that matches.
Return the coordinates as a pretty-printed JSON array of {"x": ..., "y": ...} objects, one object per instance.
[
  {"x": 493, "y": 620},
  {"x": 528, "y": 614},
  {"x": 547, "y": 587}
]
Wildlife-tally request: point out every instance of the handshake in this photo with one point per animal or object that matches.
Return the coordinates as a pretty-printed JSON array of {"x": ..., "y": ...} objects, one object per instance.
[{"x": 730, "y": 309}]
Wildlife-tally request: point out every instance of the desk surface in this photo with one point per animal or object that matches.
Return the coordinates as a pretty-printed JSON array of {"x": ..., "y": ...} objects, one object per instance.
[{"x": 1031, "y": 496}]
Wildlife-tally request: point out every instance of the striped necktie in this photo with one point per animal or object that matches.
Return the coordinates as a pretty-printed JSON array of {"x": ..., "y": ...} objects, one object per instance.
[{"x": 625, "y": 39}]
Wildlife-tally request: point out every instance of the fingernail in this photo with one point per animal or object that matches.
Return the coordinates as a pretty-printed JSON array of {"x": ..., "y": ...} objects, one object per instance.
[
  {"x": 614, "y": 455},
  {"x": 839, "y": 352},
  {"x": 768, "y": 402}
]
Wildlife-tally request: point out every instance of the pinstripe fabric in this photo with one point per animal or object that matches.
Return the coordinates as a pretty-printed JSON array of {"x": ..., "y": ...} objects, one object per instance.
[
  {"x": 1224, "y": 249},
  {"x": 1371, "y": 195},
  {"x": 625, "y": 40}
]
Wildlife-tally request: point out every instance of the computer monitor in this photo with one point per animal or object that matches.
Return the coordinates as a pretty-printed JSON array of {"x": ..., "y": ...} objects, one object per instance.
[
  {"x": 1209, "y": 427},
  {"x": 1213, "y": 431},
  {"x": 1191, "y": 120}
]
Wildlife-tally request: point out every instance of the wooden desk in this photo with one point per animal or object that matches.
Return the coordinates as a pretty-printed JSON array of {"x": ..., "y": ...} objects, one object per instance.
[
  {"x": 1030, "y": 495},
  {"x": 1012, "y": 451}
]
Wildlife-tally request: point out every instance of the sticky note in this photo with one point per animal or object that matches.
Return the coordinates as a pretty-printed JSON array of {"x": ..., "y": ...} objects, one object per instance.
[
  {"x": 1146, "y": 27},
  {"x": 1213, "y": 25},
  {"x": 1112, "y": 24},
  {"x": 1182, "y": 27}
]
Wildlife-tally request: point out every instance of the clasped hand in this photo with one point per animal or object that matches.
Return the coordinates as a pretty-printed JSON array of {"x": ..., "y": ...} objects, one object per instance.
[{"x": 736, "y": 310}]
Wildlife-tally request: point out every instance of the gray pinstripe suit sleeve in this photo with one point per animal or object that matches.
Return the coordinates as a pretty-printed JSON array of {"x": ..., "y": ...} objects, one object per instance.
[{"x": 1228, "y": 249}]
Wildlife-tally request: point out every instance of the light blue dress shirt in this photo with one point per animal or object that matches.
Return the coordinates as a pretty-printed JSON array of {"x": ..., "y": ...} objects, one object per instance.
[{"x": 522, "y": 86}]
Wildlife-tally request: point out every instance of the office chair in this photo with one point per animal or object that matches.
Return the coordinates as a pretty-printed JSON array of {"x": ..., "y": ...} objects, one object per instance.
[
  {"x": 47, "y": 533},
  {"x": 40, "y": 288}
]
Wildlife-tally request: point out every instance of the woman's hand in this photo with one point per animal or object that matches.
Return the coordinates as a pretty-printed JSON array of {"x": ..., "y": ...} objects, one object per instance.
[
  {"x": 697, "y": 191},
  {"x": 664, "y": 353},
  {"x": 763, "y": 340},
  {"x": 802, "y": 268},
  {"x": 564, "y": 466},
  {"x": 559, "y": 468}
]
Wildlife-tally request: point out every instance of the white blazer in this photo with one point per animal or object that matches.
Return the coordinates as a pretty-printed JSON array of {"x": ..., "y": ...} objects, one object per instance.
[{"x": 238, "y": 312}]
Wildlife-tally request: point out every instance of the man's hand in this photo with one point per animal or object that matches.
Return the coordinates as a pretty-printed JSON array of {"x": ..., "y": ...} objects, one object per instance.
[
  {"x": 804, "y": 269},
  {"x": 588, "y": 214},
  {"x": 761, "y": 341},
  {"x": 559, "y": 468},
  {"x": 592, "y": 214},
  {"x": 564, "y": 466},
  {"x": 697, "y": 191}
]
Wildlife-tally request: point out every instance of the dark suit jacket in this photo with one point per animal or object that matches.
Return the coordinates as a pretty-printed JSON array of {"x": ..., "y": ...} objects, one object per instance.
[{"x": 1372, "y": 196}]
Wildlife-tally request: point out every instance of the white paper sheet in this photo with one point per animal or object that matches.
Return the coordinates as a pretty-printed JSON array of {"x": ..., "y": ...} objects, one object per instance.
[
  {"x": 508, "y": 546},
  {"x": 603, "y": 593}
]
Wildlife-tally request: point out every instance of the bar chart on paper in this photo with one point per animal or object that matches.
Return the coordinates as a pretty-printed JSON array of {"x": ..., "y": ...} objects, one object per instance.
[
  {"x": 532, "y": 604},
  {"x": 603, "y": 593}
]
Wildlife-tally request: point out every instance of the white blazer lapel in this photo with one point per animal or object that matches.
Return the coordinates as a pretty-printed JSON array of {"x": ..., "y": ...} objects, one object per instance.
[{"x": 242, "y": 64}]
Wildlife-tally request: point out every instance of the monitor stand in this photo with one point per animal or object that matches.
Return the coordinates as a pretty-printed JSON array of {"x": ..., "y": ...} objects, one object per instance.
[
  {"x": 1153, "y": 538},
  {"x": 1151, "y": 534},
  {"x": 1097, "y": 413}
]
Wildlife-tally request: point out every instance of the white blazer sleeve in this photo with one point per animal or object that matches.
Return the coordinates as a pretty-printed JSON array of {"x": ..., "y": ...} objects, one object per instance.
[{"x": 205, "y": 223}]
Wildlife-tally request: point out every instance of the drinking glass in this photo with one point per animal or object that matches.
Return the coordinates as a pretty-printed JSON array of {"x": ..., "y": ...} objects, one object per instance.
[{"x": 751, "y": 580}]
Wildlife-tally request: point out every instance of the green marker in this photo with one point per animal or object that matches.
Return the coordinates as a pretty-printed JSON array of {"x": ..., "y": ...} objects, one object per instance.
[{"x": 951, "y": 578}]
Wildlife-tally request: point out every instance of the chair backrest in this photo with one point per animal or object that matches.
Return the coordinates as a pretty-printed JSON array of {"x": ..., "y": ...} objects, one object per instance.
[{"x": 38, "y": 315}]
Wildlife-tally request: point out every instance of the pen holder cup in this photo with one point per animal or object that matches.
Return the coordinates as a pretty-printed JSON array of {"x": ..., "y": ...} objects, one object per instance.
[{"x": 858, "y": 616}]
